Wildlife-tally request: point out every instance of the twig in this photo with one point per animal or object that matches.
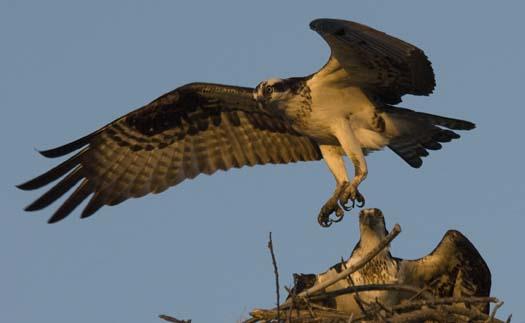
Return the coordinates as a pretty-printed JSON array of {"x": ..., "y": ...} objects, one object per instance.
[
  {"x": 172, "y": 319},
  {"x": 323, "y": 313},
  {"x": 421, "y": 315},
  {"x": 378, "y": 314},
  {"x": 493, "y": 314},
  {"x": 309, "y": 306},
  {"x": 357, "y": 297},
  {"x": 384, "y": 307},
  {"x": 291, "y": 293},
  {"x": 444, "y": 300},
  {"x": 276, "y": 272},
  {"x": 420, "y": 293},
  {"x": 415, "y": 308},
  {"x": 431, "y": 313},
  {"x": 366, "y": 288},
  {"x": 358, "y": 265}
]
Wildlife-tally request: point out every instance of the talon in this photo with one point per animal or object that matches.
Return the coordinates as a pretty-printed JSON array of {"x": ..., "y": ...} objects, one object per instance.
[
  {"x": 339, "y": 213},
  {"x": 360, "y": 200},
  {"x": 343, "y": 197},
  {"x": 346, "y": 207},
  {"x": 349, "y": 194},
  {"x": 338, "y": 204},
  {"x": 324, "y": 220}
]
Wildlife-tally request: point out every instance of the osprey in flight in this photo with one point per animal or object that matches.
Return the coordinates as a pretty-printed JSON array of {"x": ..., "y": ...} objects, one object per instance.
[{"x": 345, "y": 108}]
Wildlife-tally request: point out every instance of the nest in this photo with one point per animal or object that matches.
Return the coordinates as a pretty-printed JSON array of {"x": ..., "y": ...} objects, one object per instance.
[{"x": 309, "y": 305}]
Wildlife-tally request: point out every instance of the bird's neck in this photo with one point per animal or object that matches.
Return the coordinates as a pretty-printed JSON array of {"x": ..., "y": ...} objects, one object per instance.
[
  {"x": 369, "y": 240},
  {"x": 298, "y": 102}
]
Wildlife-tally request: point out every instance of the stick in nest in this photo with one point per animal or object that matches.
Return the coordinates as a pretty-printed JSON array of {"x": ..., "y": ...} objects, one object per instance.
[
  {"x": 276, "y": 273},
  {"x": 172, "y": 319},
  {"x": 358, "y": 265}
]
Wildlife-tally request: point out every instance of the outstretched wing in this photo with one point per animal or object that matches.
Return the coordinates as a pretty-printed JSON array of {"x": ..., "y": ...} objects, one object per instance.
[
  {"x": 197, "y": 128},
  {"x": 454, "y": 268},
  {"x": 384, "y": 66}
]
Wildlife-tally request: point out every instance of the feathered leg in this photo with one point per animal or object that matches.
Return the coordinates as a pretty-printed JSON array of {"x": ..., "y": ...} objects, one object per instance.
[
  {"x": 352, "y": 148},
  {"x": 334, "y": 161}
]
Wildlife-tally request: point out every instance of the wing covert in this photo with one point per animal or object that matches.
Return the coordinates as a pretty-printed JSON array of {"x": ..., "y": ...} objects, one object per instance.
[{"x": 385, "y": 66}]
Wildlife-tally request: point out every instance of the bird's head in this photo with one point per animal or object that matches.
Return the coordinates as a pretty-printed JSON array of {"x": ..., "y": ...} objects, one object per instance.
[
  {"x": 372, "y": 224},
  {"x": 273, "y": 93}
]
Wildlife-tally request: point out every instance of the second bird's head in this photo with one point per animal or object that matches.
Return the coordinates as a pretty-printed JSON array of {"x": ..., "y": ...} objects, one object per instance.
[{"x": 372, "y": 224}]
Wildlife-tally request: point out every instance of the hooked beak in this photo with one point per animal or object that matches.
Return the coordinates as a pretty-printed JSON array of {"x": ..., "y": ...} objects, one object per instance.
[
  {"x": 370, "y": 217},
  {"x": 258, "y": 100}
]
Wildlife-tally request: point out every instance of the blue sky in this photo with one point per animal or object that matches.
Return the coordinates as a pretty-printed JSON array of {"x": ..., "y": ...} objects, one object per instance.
[{"x": 199, "y": 250}]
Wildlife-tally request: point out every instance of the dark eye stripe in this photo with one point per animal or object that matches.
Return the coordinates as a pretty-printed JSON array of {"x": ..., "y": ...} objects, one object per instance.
[{"x": 279, "y": 87}]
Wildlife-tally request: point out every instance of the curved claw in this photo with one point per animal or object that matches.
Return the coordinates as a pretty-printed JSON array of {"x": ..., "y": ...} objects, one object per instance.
[
  {"x": 360, "y": 204},
  {"x": 339, "y": 213},
  {"x": 360, "y": 200},
  {"x": 336, "y": 204},
  {"x": 346, "y": 207},
  {"x": 324, "y": 219}
]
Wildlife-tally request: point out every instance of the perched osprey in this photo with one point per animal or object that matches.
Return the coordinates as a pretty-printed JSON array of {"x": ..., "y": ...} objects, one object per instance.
[
  {"x": 454, "y": 269},
  {"x": 346, "y": 108}
]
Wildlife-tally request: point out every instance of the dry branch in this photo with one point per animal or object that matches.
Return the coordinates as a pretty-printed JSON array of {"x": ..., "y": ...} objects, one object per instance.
[
  {"x": 275, "y": 272},
  {"x": 172, "y": 319},
  {"x": 359, "y": 264}
]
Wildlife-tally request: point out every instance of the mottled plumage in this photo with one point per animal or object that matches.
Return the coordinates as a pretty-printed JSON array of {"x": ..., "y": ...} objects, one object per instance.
[
  {"x": 198, "y": 128},
  {"x": 343, "y": 109},
  {"x": 453, "y": 268}
]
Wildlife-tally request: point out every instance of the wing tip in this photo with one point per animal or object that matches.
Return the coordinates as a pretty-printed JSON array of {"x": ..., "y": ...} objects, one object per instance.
[
  {"x": 423, "y": 72},
  {"x": 31, "y": 207},
  {"x": 329, "y": 25},
  {"x": 60, "y": 151},
  {"x": 322, "y": 25},
  {"x": 468, "y": 125},
  {"x": 50, "y": 153},
  {"x": 70, "y": 146},
  {"x": 54, "y": 219},
  {"x": 314, "y": 24},
  {"x": 25, "y": 186},
  {"x": 416, "y": 163}
]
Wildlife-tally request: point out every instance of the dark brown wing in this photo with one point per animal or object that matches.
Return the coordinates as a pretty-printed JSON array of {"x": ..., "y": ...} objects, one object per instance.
[
  {"x": 386, "y": 67},
  {"x": 454, "y": 268},
  {"x": 197, "y": 128}
]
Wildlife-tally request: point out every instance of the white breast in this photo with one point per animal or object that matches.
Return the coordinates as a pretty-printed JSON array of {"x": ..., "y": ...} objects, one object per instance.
[
  {"x": 330, "y": 104},
  {"x": 380, "y": 270}
]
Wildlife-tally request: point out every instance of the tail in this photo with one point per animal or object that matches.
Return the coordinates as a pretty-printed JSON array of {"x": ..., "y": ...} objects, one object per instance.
[{"x": 416, "y": 132}]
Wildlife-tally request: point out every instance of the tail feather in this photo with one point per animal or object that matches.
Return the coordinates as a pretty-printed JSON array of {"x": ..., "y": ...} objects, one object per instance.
[
  {"x": 422, "y": 131},
  {"x": 409, "y": 151},
  {"x": 450, "y": 123}
]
